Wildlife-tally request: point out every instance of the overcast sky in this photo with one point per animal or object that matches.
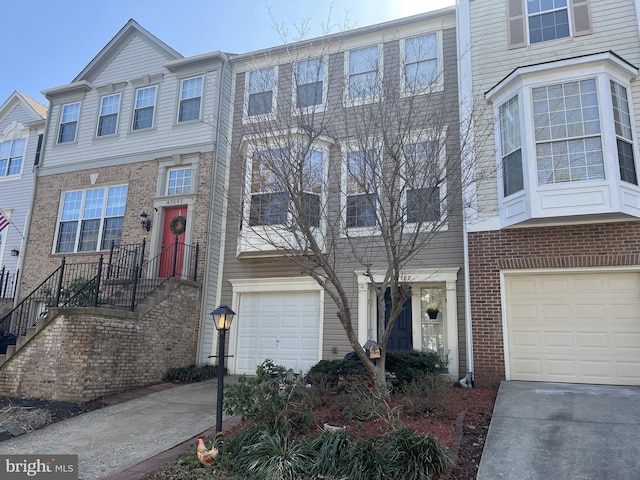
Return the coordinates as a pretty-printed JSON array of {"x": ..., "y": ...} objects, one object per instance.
[{"x": 46, "y": 43}]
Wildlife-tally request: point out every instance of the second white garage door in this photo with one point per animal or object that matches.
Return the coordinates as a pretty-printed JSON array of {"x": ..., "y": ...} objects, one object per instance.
[
  {"x": 574, "y": 327},
  {"x": 283, "y": 327}
]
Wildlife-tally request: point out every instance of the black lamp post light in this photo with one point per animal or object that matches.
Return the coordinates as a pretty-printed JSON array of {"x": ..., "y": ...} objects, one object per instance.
[
  {"x": 222, "y": 318},
  {"x": 145, "y": 221}
]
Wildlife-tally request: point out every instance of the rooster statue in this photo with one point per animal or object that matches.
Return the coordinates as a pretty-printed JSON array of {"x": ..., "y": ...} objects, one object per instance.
[{"x": 209, "y": 457}]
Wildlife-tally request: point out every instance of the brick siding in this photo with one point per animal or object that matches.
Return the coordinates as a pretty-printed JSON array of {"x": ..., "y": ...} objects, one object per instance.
[
  {"x": 84, "y": 353},
  {"x": 559, "y": 247}
]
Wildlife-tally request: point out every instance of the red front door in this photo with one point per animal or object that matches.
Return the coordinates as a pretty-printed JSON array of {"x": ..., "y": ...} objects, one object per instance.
[{"x": 169, "y": 254}]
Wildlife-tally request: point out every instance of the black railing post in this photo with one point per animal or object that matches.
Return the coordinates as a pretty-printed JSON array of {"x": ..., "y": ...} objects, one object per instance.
[
  {"x": 175, "y": 257},
  {"x": 60, "y": 279},
  {"x": 3, "y": 290},
  {"x": 144, "y": 244},
  {"x": 195, "y": 264},
  {"x": 134, "y": 287},
  {"x": 96, "y": 298},
  {"x": 113, "y": 243},
  {"x": 15, "y": 282}
]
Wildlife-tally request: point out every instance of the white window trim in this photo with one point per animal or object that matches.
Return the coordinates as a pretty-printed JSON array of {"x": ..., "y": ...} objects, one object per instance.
[
  {"x": 367, "y": 306},
  {"x": 15, "y": 135},
  {"x": 294, "y": 90},
  {"x": 252, "y": 238},
  {"x": 115, "y": 133},
  {"x": 134, "y": 109},
  {"x": 353, "y": 102},
  {"x": 81, "y": 218},
  {"x": 442, "y": 161},
  {"x": 248, "y": 119},
  {"x": 546, "y": 42},
  {"x": 175, "y": 169},
  {"x": 180, "y": 99},
  {"x": 536, "y": 201},
  {"x": 77, "y": 121},
  {"x": 438, "y": 86}
]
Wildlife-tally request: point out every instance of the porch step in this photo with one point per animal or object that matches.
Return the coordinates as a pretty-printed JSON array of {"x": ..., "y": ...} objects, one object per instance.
[{"x": 31, "y": 331}]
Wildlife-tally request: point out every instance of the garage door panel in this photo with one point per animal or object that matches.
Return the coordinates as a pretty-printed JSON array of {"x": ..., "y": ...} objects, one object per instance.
[
  {"x": 574, "y": 327},
  {"x": 284, "y": 326}
]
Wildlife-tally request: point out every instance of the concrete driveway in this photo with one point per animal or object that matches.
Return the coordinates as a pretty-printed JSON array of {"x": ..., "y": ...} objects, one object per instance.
[{"x": 553, "y": 431}]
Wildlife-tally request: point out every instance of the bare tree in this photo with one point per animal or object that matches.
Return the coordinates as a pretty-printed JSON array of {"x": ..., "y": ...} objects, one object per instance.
[{"x": 361, "y": 166}]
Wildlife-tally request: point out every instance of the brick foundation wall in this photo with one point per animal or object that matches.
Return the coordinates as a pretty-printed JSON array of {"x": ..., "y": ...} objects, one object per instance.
[
  {"x": 85, "y": 353},
  {"x": 575, "y": 246}
]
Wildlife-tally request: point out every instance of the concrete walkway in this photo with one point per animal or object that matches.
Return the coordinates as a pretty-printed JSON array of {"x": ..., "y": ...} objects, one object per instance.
[
  {"x": 545, "y": 431},
  {"x": 125, "y": 440}
]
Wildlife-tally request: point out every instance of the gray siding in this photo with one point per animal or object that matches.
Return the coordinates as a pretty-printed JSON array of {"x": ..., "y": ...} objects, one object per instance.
[{"x": 446, "y": 250}]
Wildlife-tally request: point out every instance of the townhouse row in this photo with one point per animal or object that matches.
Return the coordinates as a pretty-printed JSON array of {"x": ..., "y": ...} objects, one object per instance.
[{"x": 470, "y": 173}]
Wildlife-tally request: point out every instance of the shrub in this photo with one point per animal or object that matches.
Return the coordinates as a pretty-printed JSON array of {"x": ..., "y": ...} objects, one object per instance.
[
  {"x": 413, "y": 457},
  {"x": 424, "y": 394},
  {"x": 191, "y": 374},
  {"x": 333, "y": 454},
  {"x": 274, "y": 393}
]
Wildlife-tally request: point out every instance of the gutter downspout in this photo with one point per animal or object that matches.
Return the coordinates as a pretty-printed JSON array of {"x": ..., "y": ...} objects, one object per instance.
[{"x": 465, "y": 87}]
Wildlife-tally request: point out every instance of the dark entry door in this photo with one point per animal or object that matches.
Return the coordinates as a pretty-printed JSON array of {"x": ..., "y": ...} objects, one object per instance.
[{"x": 401, "y": 337}]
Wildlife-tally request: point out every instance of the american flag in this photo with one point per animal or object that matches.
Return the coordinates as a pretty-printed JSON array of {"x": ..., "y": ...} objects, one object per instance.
[{"x": 4, "y": 222}]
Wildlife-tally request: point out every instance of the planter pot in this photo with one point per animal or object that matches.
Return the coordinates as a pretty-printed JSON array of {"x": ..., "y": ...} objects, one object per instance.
[{"x": 432, "y": 315}]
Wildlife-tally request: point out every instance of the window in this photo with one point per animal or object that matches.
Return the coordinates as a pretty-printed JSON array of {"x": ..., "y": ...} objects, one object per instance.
[
  {"x": 420, "y": 62},
  {"x": 433, "y": 332},
  {"x": 91, "y": 219},
  {"x": 567, "y": 132},
  {"x": 309, "y": 81},
  {"x": 270, "y": 200},
  {"x": 179, "y": 181},
  {"x": 190, "y": 99},
  {"x": 11, "y": 157},
  {"x": 548, "y": 20},
  {"x": 108, "y": 121},
  {"x": 144, "y": 108},
  {"x": 624, "y": 136},
  {"x": 260, "y": 91},
  {"x": 69, "y": 123},
  {"x": 363, "y": 72},
  {"x": 422, "y": 190},
  {"x": 511, "y": 147},
  {"x": 361, "y": 198}
]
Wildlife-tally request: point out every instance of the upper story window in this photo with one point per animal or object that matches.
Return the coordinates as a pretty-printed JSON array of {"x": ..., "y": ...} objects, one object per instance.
[
  {"x": 144, "y": 108},
  {"x": 361, "y": 199},
  {"x": 11, "y": 157},
  {"x": 422, "y": 172},
  {"x": 190, "y": 99},
  {"x": 69, "y": 122},
  {"x": 536, "y": 21},
  {"x": 511, "y": 147},
  {"x": 567, "y": 132},
  {"x": 547, "y": 20},
  {"x": 624, "y": 133},
  {"x": 274, "y": 174},
  {"x": 108, "y": 120},
  {"x": 261, "y": 85},
  {"x": 421, "y": 68},
  {"x": 309, "y": 82},
  {"x": 91, "y": 219},
  {"x": 179, "y": 181},
  {"x": 363, "y": 74}
]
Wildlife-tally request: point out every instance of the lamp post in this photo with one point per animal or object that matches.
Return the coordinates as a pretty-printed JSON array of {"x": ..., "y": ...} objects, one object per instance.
[{"x": 222, "y": 318}]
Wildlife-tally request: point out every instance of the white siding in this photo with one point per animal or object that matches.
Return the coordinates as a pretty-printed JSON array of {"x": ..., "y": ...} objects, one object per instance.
[{"x": 614, "y": 28}]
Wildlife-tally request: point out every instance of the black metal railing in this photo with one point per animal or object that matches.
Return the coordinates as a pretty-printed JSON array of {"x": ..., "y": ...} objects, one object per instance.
[
  {"x": 8, "y": 283},
  {"x": 124, "y": 281}
]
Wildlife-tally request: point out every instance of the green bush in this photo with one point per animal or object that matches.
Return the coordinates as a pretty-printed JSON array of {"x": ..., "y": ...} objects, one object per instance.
[
  {"x": 191, "y": 374},
  {"x": 413, "y": 457},
  {"x": 402, "y": 367},
  {"x": 273, "y": 393}
]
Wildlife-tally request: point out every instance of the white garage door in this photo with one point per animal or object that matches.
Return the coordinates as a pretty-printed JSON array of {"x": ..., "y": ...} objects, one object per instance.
[
  {"x": 284, "y": 327},
  {"x": 569, "y": 327}
]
